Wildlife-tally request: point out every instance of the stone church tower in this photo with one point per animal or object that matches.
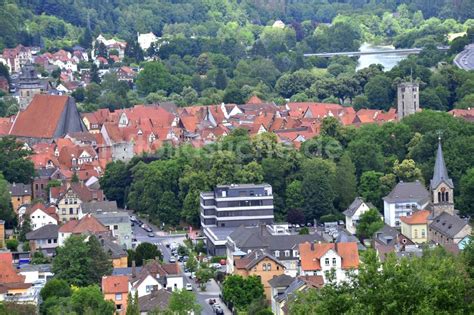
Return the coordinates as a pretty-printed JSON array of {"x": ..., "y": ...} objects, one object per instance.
[
  {"x": 441, "y": 187},
  {"x": 408, "y": 99}
]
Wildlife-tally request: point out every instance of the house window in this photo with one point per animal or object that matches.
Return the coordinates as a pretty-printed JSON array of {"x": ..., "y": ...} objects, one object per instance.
[
  {"x": 119, "y": 307},
  {"x": 416, "y": 233},
  {"x": 326, "y": 261},
  {"x": 148, "y": 288},
  {"x": 334, "y": 260},
  {"x": 49, "y": 241},
  {"x": 423, "y": 233},
  {"x": 295, "y": 253},
  {"x": 277, "y": 253},
  {"x": 287, "y": 253},
  {"x": 118, "y": 296},
  {"x": 115, "y": 227},
  {"x": 64, "y": 210},
  {"x": 264, "y": 267},
  {"x": 71, "y": 211},
  {"x": 269, "y": 267},
  {"x": 447, "y": 197}
]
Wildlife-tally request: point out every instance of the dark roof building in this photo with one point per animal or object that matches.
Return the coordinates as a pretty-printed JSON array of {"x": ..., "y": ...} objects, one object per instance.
[
  {"x": 157, "y": 300},
  {"x": 19, "y": 189}
]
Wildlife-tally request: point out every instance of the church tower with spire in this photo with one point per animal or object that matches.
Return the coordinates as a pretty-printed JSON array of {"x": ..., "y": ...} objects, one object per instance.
[{"x": 441, "y": 186}]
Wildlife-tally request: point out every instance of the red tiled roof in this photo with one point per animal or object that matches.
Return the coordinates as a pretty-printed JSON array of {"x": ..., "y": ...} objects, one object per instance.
[
  {"x": 311, "y": 254},
  {"x": 418, "y": 217},
  {"x": 41, "y": 117},
  {"x": 114, "y": 284},
  {"x": 254, "y": 100},
  {"x": 88, "y": 223}
]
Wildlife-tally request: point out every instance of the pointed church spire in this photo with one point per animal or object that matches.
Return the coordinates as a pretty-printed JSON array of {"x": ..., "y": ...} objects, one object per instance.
[{"x": 440, "y": 173}]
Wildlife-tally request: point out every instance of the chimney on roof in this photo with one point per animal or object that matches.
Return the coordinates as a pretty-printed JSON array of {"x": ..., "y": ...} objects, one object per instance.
[
  {"x": 312, "y": 246},
  {"x": 134, "y": 268}
]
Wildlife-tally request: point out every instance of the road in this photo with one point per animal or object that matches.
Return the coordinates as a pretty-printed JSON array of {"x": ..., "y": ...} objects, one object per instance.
[
  {"x": 161, "y": 239},
  {"x": 465, "y": 59}
]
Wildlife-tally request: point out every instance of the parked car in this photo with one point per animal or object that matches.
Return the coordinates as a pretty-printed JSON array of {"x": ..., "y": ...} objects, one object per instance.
[
  {"x": 216, "y": 265},
  {"x": 151, "y": 234},
  {"x": 172, "y": 259},
  {"x": 189, "y": 287},
  {"x": 212, "y": 301}
]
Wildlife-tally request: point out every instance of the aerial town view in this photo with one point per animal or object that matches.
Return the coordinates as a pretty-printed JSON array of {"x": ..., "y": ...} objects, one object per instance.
[{"x": 223, "y": 157}]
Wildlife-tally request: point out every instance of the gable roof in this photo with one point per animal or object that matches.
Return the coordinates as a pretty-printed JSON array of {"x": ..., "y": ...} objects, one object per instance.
[
  {"x": 418, "y": 217},
  {"x": 88, "y": 223},
  {"x": 440, "y": 173},
  {"x": 281, "y": 281},
  {"x": 48, "y": 231},
  {"x": 158, "y": 299},
  {"x": 47, "y": 116},
  {"x": 447, "y": 224},
  {"x": 408, "y": 192},
  {"x": 114, "y": 284},
  {"x": 355, "y": 205},
  {"x": 19, "y": 189},
  {"x": 311, "y": 254},
  {"x": 254, "y": 257}
]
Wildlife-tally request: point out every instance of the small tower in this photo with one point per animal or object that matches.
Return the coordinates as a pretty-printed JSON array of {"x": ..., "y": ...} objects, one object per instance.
[
  {"x": 441, "y": 186},
  {"x": 408, "y": 99}
]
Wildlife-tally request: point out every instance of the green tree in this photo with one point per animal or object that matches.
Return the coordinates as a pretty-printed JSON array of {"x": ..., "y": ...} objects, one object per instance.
[
  {"x": 55, "y": 288},
  {"x": 318, "y": 192},
  {"x": 89, "y": 300},
  {"x": 242, "y": 291},
  {"x": 369, "y": 223},
  {"x": 38, "y": 258},
  {"x": 183, "y": 302},
  {"x": 192, "y": 263},
  {"x": 345, "y": 182},
  {"x": 304, "y": 231},
  {"x": 293, "y": 196},
  {"x": 379, "y": 92},
  {"x": 76, "y": 258},
  {"x": 407, "y": 171},
  {"x": 133, "y": 308},
  {"x": 376, "y": 288},
  {"x": 6, "y": 210},
  {"x": 12, "y": 245},
  {"x": 154, "y": 77},
  {"x": 146, "y": 251},
  {"x": 221, "y": 79},
  {"x": 466, "y": 195},
  {"x": 13, "y": 163},
  {"x": 116, "y": 182},
  {"x": 369, "y": 187},
  {"x": 203, "y": 275}
]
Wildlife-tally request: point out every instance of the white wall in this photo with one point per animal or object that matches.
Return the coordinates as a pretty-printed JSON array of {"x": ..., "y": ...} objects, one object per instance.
[
  {"x": 171, "y": 281},
  {"x": 149, "y": 281},
  {"x": 39, "y": 218}
]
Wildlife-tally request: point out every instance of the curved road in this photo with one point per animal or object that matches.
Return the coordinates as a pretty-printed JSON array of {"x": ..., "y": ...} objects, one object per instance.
[{"x": 465, "y": 59}]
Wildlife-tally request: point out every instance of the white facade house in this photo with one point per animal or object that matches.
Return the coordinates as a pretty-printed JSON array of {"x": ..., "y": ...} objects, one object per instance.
[
  {"x": 40, "y": 217},
  {"x": 145, "y": 40},
  {"x": 403, "y": 200},
  {"x": 145, "y": 286},
  {"x": 174, "y": 282},
  {"x": 354, "y": 211},
  {"x": 334, "y": 262}
]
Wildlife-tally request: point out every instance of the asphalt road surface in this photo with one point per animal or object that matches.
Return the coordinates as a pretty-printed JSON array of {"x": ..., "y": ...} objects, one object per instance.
[
  {"x": 212, "y": 289},
  {"x": 465, "y": 59}
]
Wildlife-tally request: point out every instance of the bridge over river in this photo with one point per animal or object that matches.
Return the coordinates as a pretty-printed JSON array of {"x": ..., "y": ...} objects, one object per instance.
[{"x": 401, "y": 51}]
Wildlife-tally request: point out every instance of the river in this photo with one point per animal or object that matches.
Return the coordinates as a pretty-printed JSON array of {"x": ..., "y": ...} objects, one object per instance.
[{"x": 388, "y": 61}]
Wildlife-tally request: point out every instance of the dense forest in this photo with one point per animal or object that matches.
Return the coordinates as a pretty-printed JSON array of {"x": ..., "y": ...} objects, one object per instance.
[{"x": 316, "y": 182}]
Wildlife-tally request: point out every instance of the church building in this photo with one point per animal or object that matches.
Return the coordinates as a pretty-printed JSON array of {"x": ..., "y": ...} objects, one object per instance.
[{"x": 444, "y": 225}]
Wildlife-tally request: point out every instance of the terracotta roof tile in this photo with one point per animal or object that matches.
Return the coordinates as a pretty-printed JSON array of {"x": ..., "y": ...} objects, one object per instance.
[
  {"x": 44, "y": 113},
  {"x": 418, "y": 217},
  {"x": 88, "y": 223},
  {"x": 311, "y": 254},
  {"x": 114, "y": 284}
]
